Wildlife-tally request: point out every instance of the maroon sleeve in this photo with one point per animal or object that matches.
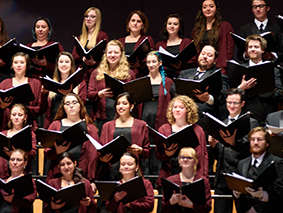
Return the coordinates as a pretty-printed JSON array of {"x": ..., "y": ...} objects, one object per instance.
[
  {"x": 34, "y": 106},
  {"x": 146, "y": 203},
  {"x": 201, "y": 150},
  {"x": 93, "y": 87},
  {"x": 27, "y": 201},
  {"x": 89, "y": 193},
  {"x": 82, "y": 91},
  {"x": 225, "y": 46},
  {"x": 89, "y": 156},
  {"x": 139, "y": 134},
  {"x": 31, "y": 153}
]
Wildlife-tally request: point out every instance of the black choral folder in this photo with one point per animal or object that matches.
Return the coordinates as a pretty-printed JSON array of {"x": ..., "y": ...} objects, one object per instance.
[
  {"x": 70, "y": 194},
  {"x": 50, "y": 52},
  {"x": 135, "y": 189},
  {"x": 186, "y": 54},
  {"x": 20, "y": 140},
  {"x": 264, "y": 73},
  {"x": 195, "y": 191},
  {"x": 22, "y": 185},
  {"x": 238, "y": 183},
  {"x": 117, "y": 147},
  {"x": 212, "y": 125},
  {"x": 96, "y": 52},
  {"x": 74, "y": 79},
  {"x": 140, "y": 88},
  {"x": 280, "y": 22},
  {"x": 140, "y": 52},
  {"x": 185, "y": 86},
  {"x": 74, "y": 134},
  {"x": 241, "y": 42},
  {"x": 186, "y": 137},
  {"x": 21, "y": 93},
  {"x": 8, "y": 50}
]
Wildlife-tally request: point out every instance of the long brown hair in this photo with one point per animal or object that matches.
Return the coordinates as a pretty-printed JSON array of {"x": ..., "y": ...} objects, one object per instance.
[
  {"x": 83, "y": 114},
  {"x": 3, "y": 33},
  {"x": 200, "y": 27}
]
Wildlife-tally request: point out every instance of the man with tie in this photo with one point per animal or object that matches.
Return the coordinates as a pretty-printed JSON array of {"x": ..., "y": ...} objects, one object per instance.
[
  {"x": 269, "y": 198},
  {"x": 228, "y": 157},
  {"x": 206, "y": 66},
  {"x": 262, "y": 104},
  {"x": 261, "y": 24}
]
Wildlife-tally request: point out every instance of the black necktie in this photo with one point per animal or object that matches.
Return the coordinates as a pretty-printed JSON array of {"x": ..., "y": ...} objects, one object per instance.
[
  {"x": 261, "y": 28},
  {"x": 253, "y": 171},
  {"x": 232, "y": 119},
  {"x": 196, "y": 77},
  {"x": 255, "y": 162}
]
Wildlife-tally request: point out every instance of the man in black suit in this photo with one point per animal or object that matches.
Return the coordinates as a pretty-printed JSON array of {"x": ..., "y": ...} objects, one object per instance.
[
  {"x": 262, "y": 104},
  {"x": 269, "y": 198},
  {"x": 228, "y": 157},
  {"x": 206, "y": 66},
  {"x": 261, "y": 24}
]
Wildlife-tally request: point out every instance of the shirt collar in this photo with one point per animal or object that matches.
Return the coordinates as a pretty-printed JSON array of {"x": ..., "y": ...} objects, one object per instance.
[
  {"x": 258, "y": 23},
  {"x": 259, "y": 159}
]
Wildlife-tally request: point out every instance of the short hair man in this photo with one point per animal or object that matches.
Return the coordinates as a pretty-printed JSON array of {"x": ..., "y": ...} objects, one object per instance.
[
  {"x": 268, "y": 199},
  {"x": 228, "y": 157},
  {"x": 261, "y": 24},
  {"x": 263, "y": 104},
  {"x": 206, "y": 66}
]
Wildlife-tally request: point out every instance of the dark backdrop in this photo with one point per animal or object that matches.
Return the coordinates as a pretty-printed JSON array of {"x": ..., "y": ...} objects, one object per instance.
[{"x": 66, "y": 16}]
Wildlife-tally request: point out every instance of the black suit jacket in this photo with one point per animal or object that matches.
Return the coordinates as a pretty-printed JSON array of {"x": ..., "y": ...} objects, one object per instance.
[
  {"x": 251, "y": 28},
  {"x": 219, "y": 98},
  {"x": 262, "y": 105},
  {"x": 275, "y": 191},
  {"x": 229, "y": 157}
]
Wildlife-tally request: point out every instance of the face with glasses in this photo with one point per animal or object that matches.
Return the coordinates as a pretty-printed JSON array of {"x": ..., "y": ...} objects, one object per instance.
[
  {"x": 258, "y": 144},
  {"x": 186, "y": 160},
  {"x": 153, "y": 63},
  {"x": 90, "y": 19},
  {"x": 17, "y": 162},
  {"x": 234, "y": 104},
  {"x": 260, "y": 10},
  {"x": 71, "y": 105}
]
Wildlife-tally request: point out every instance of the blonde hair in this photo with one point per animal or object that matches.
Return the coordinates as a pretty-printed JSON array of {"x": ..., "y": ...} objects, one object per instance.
[
  {"x": 190, "y": 152},
  {"x": 57, "y": 74},
  {"x": 121, "y": 72},
  {"x": 191, "y": 108},
  {"x": 84, "y": 35}
]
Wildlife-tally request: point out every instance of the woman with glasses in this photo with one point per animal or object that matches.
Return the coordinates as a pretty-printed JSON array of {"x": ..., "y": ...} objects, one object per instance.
[
  {"x": 181, "y": 112},
  {"x": 9, "y": 202},
  {"x": 91, "y": 36},
  {"x": 70, "y": 112},
  {"x": 188, "y": 162}
]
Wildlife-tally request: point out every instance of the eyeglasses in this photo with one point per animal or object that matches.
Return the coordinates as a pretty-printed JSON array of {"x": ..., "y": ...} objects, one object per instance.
[
  {"x": 233, "y": 102},
  {"x": 185, "y": 157},
  {"x": 257, "y": 139},
  {"x": 258, "y": 6},
  {"x": 16, "y": 159},
  {"x": 68, "y": 103},
  {"x": 92, "y": 17}
]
